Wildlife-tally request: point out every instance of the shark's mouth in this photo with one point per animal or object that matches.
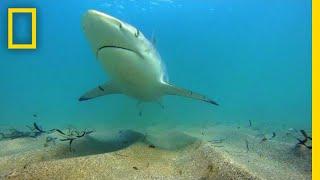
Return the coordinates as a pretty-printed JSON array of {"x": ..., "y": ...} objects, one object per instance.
[{"x": 118, "y": 47}]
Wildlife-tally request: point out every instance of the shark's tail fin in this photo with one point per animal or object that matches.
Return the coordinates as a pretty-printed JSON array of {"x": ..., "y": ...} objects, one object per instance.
[{"x": 173, "y": 90}]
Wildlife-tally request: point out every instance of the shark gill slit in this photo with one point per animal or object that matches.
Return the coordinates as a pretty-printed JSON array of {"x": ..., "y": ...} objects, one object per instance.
[{"x": 118, "y": 47}]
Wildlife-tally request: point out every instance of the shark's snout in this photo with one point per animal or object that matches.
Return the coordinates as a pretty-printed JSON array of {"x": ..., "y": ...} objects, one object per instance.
[
  {"x": 103, "y": 31},
  {"x": 86, "y": 21},
  {"x": 92, "y": 17}
]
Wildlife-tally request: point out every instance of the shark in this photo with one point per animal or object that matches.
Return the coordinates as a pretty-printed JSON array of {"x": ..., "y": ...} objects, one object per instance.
[{"x": 130, "y": 60}]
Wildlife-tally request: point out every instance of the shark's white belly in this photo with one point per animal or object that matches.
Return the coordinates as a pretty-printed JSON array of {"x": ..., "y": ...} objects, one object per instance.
[
  {"x": 134, "y": 75},
  {"x": 131, "y": 61}
]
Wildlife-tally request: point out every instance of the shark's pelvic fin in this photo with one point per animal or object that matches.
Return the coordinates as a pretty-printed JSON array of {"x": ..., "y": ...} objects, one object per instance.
[
  {"x": 173, "y": 90},
  {"x": 101, "y": 90}
]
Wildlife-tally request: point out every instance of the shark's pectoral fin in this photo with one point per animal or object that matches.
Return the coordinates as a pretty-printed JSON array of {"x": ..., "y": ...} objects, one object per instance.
[
  {"x": 108, "y": 88},
  {"x": 173, "y": 90}
]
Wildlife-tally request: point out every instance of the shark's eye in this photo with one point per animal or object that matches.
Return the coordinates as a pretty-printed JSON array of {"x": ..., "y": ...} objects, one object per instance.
[
  {"x": 137, "y": 33},
  {"x": 120, "y": 25}
]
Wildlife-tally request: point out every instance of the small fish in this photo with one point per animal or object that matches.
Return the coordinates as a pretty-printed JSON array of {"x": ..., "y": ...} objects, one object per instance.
[
  {"x": 152, "y": 146},
  {"x": 135, "y": 168},
  {"x": 250, "y": 123},
  {"x": 268, "y": 138},
  {"x": 263, "y": 139},
  {"x": 273, "y": 135}
]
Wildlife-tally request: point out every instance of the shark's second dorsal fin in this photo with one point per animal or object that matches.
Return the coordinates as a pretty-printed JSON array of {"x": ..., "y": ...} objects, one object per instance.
[
  {"x": 173, "y": 90},
  {"x": 101, "y": 90}
]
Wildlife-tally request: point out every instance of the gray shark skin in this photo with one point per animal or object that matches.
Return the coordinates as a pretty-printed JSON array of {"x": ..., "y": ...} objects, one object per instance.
[{"x": 131, "y": 61}]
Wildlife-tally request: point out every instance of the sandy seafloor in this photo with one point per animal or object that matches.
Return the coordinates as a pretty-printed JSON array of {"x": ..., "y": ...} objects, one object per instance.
[{"x": 179, "y": 153}]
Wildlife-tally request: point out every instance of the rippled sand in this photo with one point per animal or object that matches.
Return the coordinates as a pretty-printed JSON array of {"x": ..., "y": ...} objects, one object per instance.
[{"x": 174, "y": 154}]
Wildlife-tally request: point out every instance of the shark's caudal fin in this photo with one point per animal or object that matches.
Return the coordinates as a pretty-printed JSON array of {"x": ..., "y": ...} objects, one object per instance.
[
  {"x": 173, "y": 90},
  {"x": 101, "y": 90}
]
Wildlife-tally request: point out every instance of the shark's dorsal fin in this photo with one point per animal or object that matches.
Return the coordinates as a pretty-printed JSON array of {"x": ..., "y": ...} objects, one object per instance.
[
  {"x": 102, "y": 90},
  {"x": 173, "y": 90}
]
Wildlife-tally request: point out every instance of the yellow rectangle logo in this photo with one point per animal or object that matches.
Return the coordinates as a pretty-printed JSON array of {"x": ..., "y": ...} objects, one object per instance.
[{"x": 33, "y": 12}]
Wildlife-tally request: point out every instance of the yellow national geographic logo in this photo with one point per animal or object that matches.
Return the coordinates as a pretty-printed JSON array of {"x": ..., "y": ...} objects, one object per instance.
[{"x": 33, "y": 12}]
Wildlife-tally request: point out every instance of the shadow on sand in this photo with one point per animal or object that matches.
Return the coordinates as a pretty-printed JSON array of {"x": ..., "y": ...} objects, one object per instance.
[{"x": 91, "y": 145}]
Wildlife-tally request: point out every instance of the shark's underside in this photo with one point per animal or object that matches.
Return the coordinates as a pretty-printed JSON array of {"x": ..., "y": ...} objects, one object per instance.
[{"x": 131, "y": 61}]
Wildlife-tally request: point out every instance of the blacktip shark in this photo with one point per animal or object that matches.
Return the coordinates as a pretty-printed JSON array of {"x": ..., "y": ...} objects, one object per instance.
[{"x": 132, "y": 62}]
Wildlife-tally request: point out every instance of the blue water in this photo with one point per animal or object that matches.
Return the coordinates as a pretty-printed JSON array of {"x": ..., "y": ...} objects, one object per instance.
[{"x": 253, "y": 57}]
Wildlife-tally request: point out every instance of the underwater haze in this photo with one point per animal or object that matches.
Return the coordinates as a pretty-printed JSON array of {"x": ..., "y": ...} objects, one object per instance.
[{"x": 253, "y": 57}]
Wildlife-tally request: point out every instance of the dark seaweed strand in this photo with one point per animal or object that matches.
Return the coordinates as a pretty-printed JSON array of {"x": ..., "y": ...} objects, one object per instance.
[
  {"x": 78, "y": 133},
  {"x": 250, "y": 123},
  {"x": 303, "y": 132},
  {"x": 303, "y": 143},
  {"x": 309, "y": 147},
  {"x": 83, "y": 133},
  {"x": 72, "y": 139},
  {"x": 70, "y": 142},
  {"x": 70, "y": 149},
  {"x": 305, "y": 140},
  {"x": 38, "y": 128},
  {"x": 247, "y": 145},
  {"x": 57, "y": 130}
]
